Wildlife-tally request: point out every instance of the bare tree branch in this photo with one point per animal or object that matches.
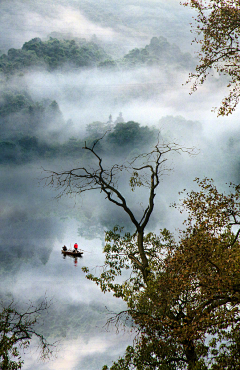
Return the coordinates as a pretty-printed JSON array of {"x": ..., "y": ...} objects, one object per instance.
[
  {"x": 148, "y": 166},
  {"x": 17, "y": 330}
]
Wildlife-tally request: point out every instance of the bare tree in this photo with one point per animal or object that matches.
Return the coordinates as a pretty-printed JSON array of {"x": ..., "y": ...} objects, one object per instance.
[{"x": 145, "y": 170}]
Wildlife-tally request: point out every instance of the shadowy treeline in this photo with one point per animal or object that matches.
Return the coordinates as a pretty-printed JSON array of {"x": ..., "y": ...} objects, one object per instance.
[
  {"x": 33, "y": 130},
  {"x": 124, "y": 138},
  {"x": 22, "y": 138}
]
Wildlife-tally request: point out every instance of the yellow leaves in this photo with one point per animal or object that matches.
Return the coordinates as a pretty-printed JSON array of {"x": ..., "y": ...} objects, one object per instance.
[
  {"x": 217, "y": 24},
  {"x": 193, "y": 286},
  {"x": 135, "y": 181},
  {"x": 208, "y": 209}
]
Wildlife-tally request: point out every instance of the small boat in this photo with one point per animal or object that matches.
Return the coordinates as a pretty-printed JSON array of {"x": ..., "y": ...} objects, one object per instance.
[{"x": 72, "y": 253}]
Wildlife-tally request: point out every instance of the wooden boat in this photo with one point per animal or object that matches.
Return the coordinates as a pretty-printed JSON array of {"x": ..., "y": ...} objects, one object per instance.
[{"x": 72, "y": 253}]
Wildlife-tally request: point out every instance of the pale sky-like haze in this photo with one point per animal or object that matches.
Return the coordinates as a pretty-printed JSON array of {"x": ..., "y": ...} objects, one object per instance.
[{"x": 34, "y": 225}]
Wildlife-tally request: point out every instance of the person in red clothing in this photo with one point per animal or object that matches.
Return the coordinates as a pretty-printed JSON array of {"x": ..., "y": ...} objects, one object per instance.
[{"x": 75, "y": 247}]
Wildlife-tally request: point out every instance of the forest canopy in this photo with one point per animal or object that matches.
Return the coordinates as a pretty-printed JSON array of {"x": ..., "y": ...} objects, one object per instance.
[
  {"x": 52, "y": 54},
  {"x": 158, "y": 52},
  {"x": 79, "y": 53}
]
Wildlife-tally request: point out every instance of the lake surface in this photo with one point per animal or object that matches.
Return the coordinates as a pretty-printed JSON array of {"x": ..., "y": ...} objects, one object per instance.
[
  {"x": 32, "y": 267},
  {"x": 35, "y": 226}
]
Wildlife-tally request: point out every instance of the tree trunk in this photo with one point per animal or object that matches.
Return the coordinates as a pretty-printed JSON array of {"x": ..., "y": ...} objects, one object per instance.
[
  {"x": 144, "y": 260},
  {"x": 191, "y": 355},
  {"x": 5, "y": 363}
]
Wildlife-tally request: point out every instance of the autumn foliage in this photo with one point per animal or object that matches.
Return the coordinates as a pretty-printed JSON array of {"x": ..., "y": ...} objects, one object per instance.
[
  {"x": 217, "y": 29},
  {"x": 187, "y": 314}
]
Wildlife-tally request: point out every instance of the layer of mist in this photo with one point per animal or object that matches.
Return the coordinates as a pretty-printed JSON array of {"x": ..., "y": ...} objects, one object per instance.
[{"x": 127, "y": 83}]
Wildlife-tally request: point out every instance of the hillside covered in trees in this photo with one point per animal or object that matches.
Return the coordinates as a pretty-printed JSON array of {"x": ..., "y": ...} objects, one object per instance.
[
  {"x": 52, "y": 54},
  {"x": 158, "y": 52},
  {"x": 79, "y": 53}
]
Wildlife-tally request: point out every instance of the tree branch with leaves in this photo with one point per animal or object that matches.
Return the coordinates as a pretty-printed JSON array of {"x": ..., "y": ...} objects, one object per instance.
[
  {"x": 217, "y": 26},
  {"x": 187, "y": 316}
]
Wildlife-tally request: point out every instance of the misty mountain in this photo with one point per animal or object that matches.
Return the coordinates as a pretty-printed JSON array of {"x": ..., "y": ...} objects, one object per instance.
[
  {"x": 158, "y": 52},
  {"x": 120, "y": 24},
  {"x": 78, "y": 53},
  {"x": 52, "y": 54},
  {"x": 20, "y": 115},
  {"x": 67, "y": 68}
]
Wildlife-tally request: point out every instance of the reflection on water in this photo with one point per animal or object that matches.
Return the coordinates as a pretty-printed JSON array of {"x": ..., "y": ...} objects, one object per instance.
[
  {"x": 32, "y": 266},
  {"x": 73, "y": 257},
  {"x": 33, "y": 229},
  {"x": 83, "y": 354}
]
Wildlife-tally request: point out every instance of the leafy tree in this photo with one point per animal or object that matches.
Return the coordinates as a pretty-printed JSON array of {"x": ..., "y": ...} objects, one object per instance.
[
  {"x": 97, "y": 129},
  {"x": 18, "y": 60},
  {"x": 186, "y": 313},
  {"x": 12, "y": 102},
  {"x": 130, "y": 135},
  {"x": 16, "y": 331},
  {"x": 182, "y": 293},
  {"x": 218, "y": 31}
]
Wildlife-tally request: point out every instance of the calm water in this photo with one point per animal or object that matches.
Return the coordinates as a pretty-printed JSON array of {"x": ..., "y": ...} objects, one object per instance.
[{"x": 34, "y": 227}]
